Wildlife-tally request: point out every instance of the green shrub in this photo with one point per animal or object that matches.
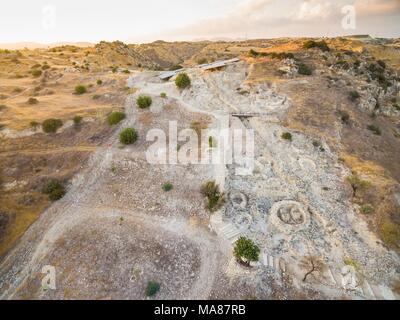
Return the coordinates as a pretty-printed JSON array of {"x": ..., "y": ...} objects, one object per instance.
[
  {"x": 253, "y": 53},
  {"x": 54, "y": 189},
  {"x": 128, "y": 136},
  {"x": 375, "y": 129},
  {"x": 344, "y": 116},
  {"x": 354, "y": 95},
  {"x": 45, "y": 67},
  {"x": 215, "y": 197},
  {"x": 80, "y": 89},
  {"x": 246, "y": 250},
  {"x": 286, "y": 136},
  {"x": 33, "y": 101},
  {"x": 212, "y": 143},
  {"x": 390, "y": 233},
  {"x": 51, "y": 125},
  {"x": 99, "y": 82},
  {"x": 167, "y": 186},
  {"x": 366, "y": 209},
  {"x": 322, "y": 45},
  {"x": 152, "y": 288},
  {"x": 163, "y": 95},
  {"x": 77, "y": 120},
  {"x": 175, "y": 67},
  {"x": 96, "y": 97},
  {"x": 36, "y": 73},
  {"x": 115, "y": 117},
  {"x": 304, "y": 69},
  {"x": 126, "y": 71},
  {"x": 182, "y": 81},
  {"x": 144, "y": 102},
  {"x": 202, "y": 61},
  {"x": 358, "y": 185},
  {"x": 34, "y": 125}
]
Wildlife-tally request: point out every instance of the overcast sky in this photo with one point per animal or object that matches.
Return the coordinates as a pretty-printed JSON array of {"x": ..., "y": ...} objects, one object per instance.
[{"x": 48, "y": 21}]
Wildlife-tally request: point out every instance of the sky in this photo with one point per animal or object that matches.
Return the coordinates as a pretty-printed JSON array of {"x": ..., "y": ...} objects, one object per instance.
[{"x": 137, "y": 21}]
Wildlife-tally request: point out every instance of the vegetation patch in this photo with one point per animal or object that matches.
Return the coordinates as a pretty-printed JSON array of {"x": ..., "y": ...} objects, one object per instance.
[
  {"x": 182, "y": 81},
  {"x": 322, "y": 45},
  {"x": 167, "y": 186},
  {"x": 128, "y": 136},
  {"x": 303, "y": 69},
  {"x": 215, "y": 198},
  {"x": 287, "y": 136},
  {"x": 246, "y": 251},
  {"x": 152, "y": 288},
  {"x": 54, "y": 189},
  {"x": 80, "y": 89},
  {"x": 375, "y": 129},
  {"x": 390, "y": 233},
  {"x": 32, "y": 101},
  {"x": 144, "y": 102},
  {"x": 77, "y": 120},
  {"x": 51, "y": 125},
  {"x": 115, "y": 117}
]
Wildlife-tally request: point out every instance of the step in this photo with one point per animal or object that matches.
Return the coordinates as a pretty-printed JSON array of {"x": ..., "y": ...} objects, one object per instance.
[{"x": 367, "y": 290}]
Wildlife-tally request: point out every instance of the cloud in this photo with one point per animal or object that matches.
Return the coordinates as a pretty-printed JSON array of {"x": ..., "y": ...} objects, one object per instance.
[{"x": 274, "y": 18}]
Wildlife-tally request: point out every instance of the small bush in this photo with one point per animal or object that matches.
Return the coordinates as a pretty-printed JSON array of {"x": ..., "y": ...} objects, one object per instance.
[
  {"x": 167, "y": 186},
  {"x": 36, "y": 73},
  {"x": 344, "y": 116},
  {"x": 126, "y": 71},
  {"x": 163, "y": 95},
  {"x": 54, "y": 189},
  {"x": 212, "y": 143},
  {"x": 390, "y": 233},
  {"x": 354, "y": 95},
  {"x": 51, "y": 125},
  {"x": 33, "y": 101},
  {"x": 304, "y": 69},
  {"x": 182, "y": 81},
  {"x": 375, "y": 129},
  {"x": 99, "y": 82},
  {"x": 366, "y": 209},
  {"x": 152, "y": 288},
  {"x": 253, "y": 53},
  {"x": 34, "y": 125},
  {"x": 128, "y": 136},
  {"x": 246, "y": 250},
  {"x": 358, "y": 185},
  {"x": 96, "y": 97},
  {"x": 202, "y": 61},
  {"x": 45, "y": 67},
  {"x": 77, "y": 120},
  {"x": 80, "y": 89},
  {"x": 115, "y": 117},
  {"x": 286, "y": 136},
  {"x": 215, "y": 197},
  {"x": 144, "y": 102},
  {"x": 322, "y": 45}
]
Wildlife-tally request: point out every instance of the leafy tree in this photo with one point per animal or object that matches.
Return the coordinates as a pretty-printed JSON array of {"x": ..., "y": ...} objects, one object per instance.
[{"x": 246, "y": 251}]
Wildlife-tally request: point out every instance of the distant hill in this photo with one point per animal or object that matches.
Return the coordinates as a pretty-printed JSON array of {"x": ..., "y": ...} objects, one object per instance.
[{"x": 35, "y": 45}]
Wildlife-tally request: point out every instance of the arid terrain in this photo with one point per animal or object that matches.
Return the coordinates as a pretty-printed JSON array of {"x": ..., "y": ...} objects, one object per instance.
[{"x": 322, "y": 200}]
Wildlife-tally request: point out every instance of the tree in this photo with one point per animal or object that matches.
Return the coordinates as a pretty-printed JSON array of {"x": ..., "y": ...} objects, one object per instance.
[
  {"x": 246, "y": 251},
  {"x": 182, "y": 81}
]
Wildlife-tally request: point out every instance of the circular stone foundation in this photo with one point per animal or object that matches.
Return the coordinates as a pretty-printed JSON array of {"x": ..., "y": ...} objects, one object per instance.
[
  {"x": 289, "y": 216},
  {"x": 238, "y": 200}
]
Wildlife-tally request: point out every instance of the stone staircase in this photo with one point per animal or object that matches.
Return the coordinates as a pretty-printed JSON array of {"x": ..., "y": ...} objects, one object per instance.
[{"x": 225, "y": 229}]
